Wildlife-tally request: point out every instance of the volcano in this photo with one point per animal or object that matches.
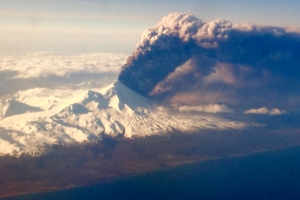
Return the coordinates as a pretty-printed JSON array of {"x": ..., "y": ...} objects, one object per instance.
[{"x": 88, "y": 115}]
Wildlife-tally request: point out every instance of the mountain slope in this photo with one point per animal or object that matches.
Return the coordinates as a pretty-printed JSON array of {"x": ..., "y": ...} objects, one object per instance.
[
  {"x": 85, "y": 116},
  {"x": 11, "y": 107}
]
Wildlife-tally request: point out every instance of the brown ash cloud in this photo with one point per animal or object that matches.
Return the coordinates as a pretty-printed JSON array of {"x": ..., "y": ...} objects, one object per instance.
[{"x": 187, "y": 61}]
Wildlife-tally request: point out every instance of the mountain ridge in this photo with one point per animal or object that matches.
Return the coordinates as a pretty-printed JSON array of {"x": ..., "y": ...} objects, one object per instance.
[{"x": 85, "y": 116}]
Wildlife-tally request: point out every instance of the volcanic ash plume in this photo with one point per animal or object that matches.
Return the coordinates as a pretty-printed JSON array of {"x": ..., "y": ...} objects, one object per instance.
[{"x": 185, "y": 60}]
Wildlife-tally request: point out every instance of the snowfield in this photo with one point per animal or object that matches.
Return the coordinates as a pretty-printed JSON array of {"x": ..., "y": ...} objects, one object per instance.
[{"x": 34, "y": 118}]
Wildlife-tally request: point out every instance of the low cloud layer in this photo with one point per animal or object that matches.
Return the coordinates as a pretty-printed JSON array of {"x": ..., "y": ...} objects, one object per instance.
[
  {"x": 185, "y": 60},
  {"x": 25, "y": 71},
  {"x": 47, "y": 64}
]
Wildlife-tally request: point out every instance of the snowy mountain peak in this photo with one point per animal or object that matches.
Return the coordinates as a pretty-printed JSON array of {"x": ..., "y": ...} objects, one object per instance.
[
  {"x": 10, "y": 106},
  {"x": 120, "y": 94},
  {"x": 115, "y": 96},
  {"x": 87, "y": 115}
]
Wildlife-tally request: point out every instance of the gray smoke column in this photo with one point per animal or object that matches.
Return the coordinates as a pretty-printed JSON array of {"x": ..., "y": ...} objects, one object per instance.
[{"x": 186, "y": 60}]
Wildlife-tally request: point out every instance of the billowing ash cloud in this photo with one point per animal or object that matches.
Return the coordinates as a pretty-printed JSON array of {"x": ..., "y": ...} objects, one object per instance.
[{"x": 187, "y": 61}]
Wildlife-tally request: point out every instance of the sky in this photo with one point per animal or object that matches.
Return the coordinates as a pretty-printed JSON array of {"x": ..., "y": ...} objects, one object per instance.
[{"x": 115, "y": 26}]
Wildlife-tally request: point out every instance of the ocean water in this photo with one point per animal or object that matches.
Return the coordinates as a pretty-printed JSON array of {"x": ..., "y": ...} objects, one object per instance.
[{"x": 268, "y": 175}]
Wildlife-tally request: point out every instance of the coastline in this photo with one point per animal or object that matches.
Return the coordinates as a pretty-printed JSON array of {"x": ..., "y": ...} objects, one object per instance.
[{"x": 139, "y": 174}]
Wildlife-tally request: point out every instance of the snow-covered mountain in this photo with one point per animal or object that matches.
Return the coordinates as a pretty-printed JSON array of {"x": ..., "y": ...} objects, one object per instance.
[
  {"x": 37, "y": 117},
  {"x": 10, "y": 107}
]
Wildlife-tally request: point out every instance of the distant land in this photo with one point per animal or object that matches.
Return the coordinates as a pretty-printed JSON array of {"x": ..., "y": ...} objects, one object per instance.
[
  {"x": 266, "y": 175},
  {"x": 91, "y": 163}
]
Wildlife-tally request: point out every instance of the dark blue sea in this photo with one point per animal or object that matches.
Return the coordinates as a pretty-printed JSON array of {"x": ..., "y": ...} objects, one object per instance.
[{"x": 268, "y": 175}]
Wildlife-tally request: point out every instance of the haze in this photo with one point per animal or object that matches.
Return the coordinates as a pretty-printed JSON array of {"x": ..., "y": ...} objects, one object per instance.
[{"x": 115, "y": 26}]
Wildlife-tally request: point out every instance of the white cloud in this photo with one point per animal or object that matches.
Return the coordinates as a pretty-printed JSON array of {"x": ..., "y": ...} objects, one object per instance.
[
  {"x": 47, "y": 64},
  {"x": 54, "y": 70},
  {"x": 276, "y": 111},
  {"x": 210, "y": 108},
  {"x": 264, "y": 110}
]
